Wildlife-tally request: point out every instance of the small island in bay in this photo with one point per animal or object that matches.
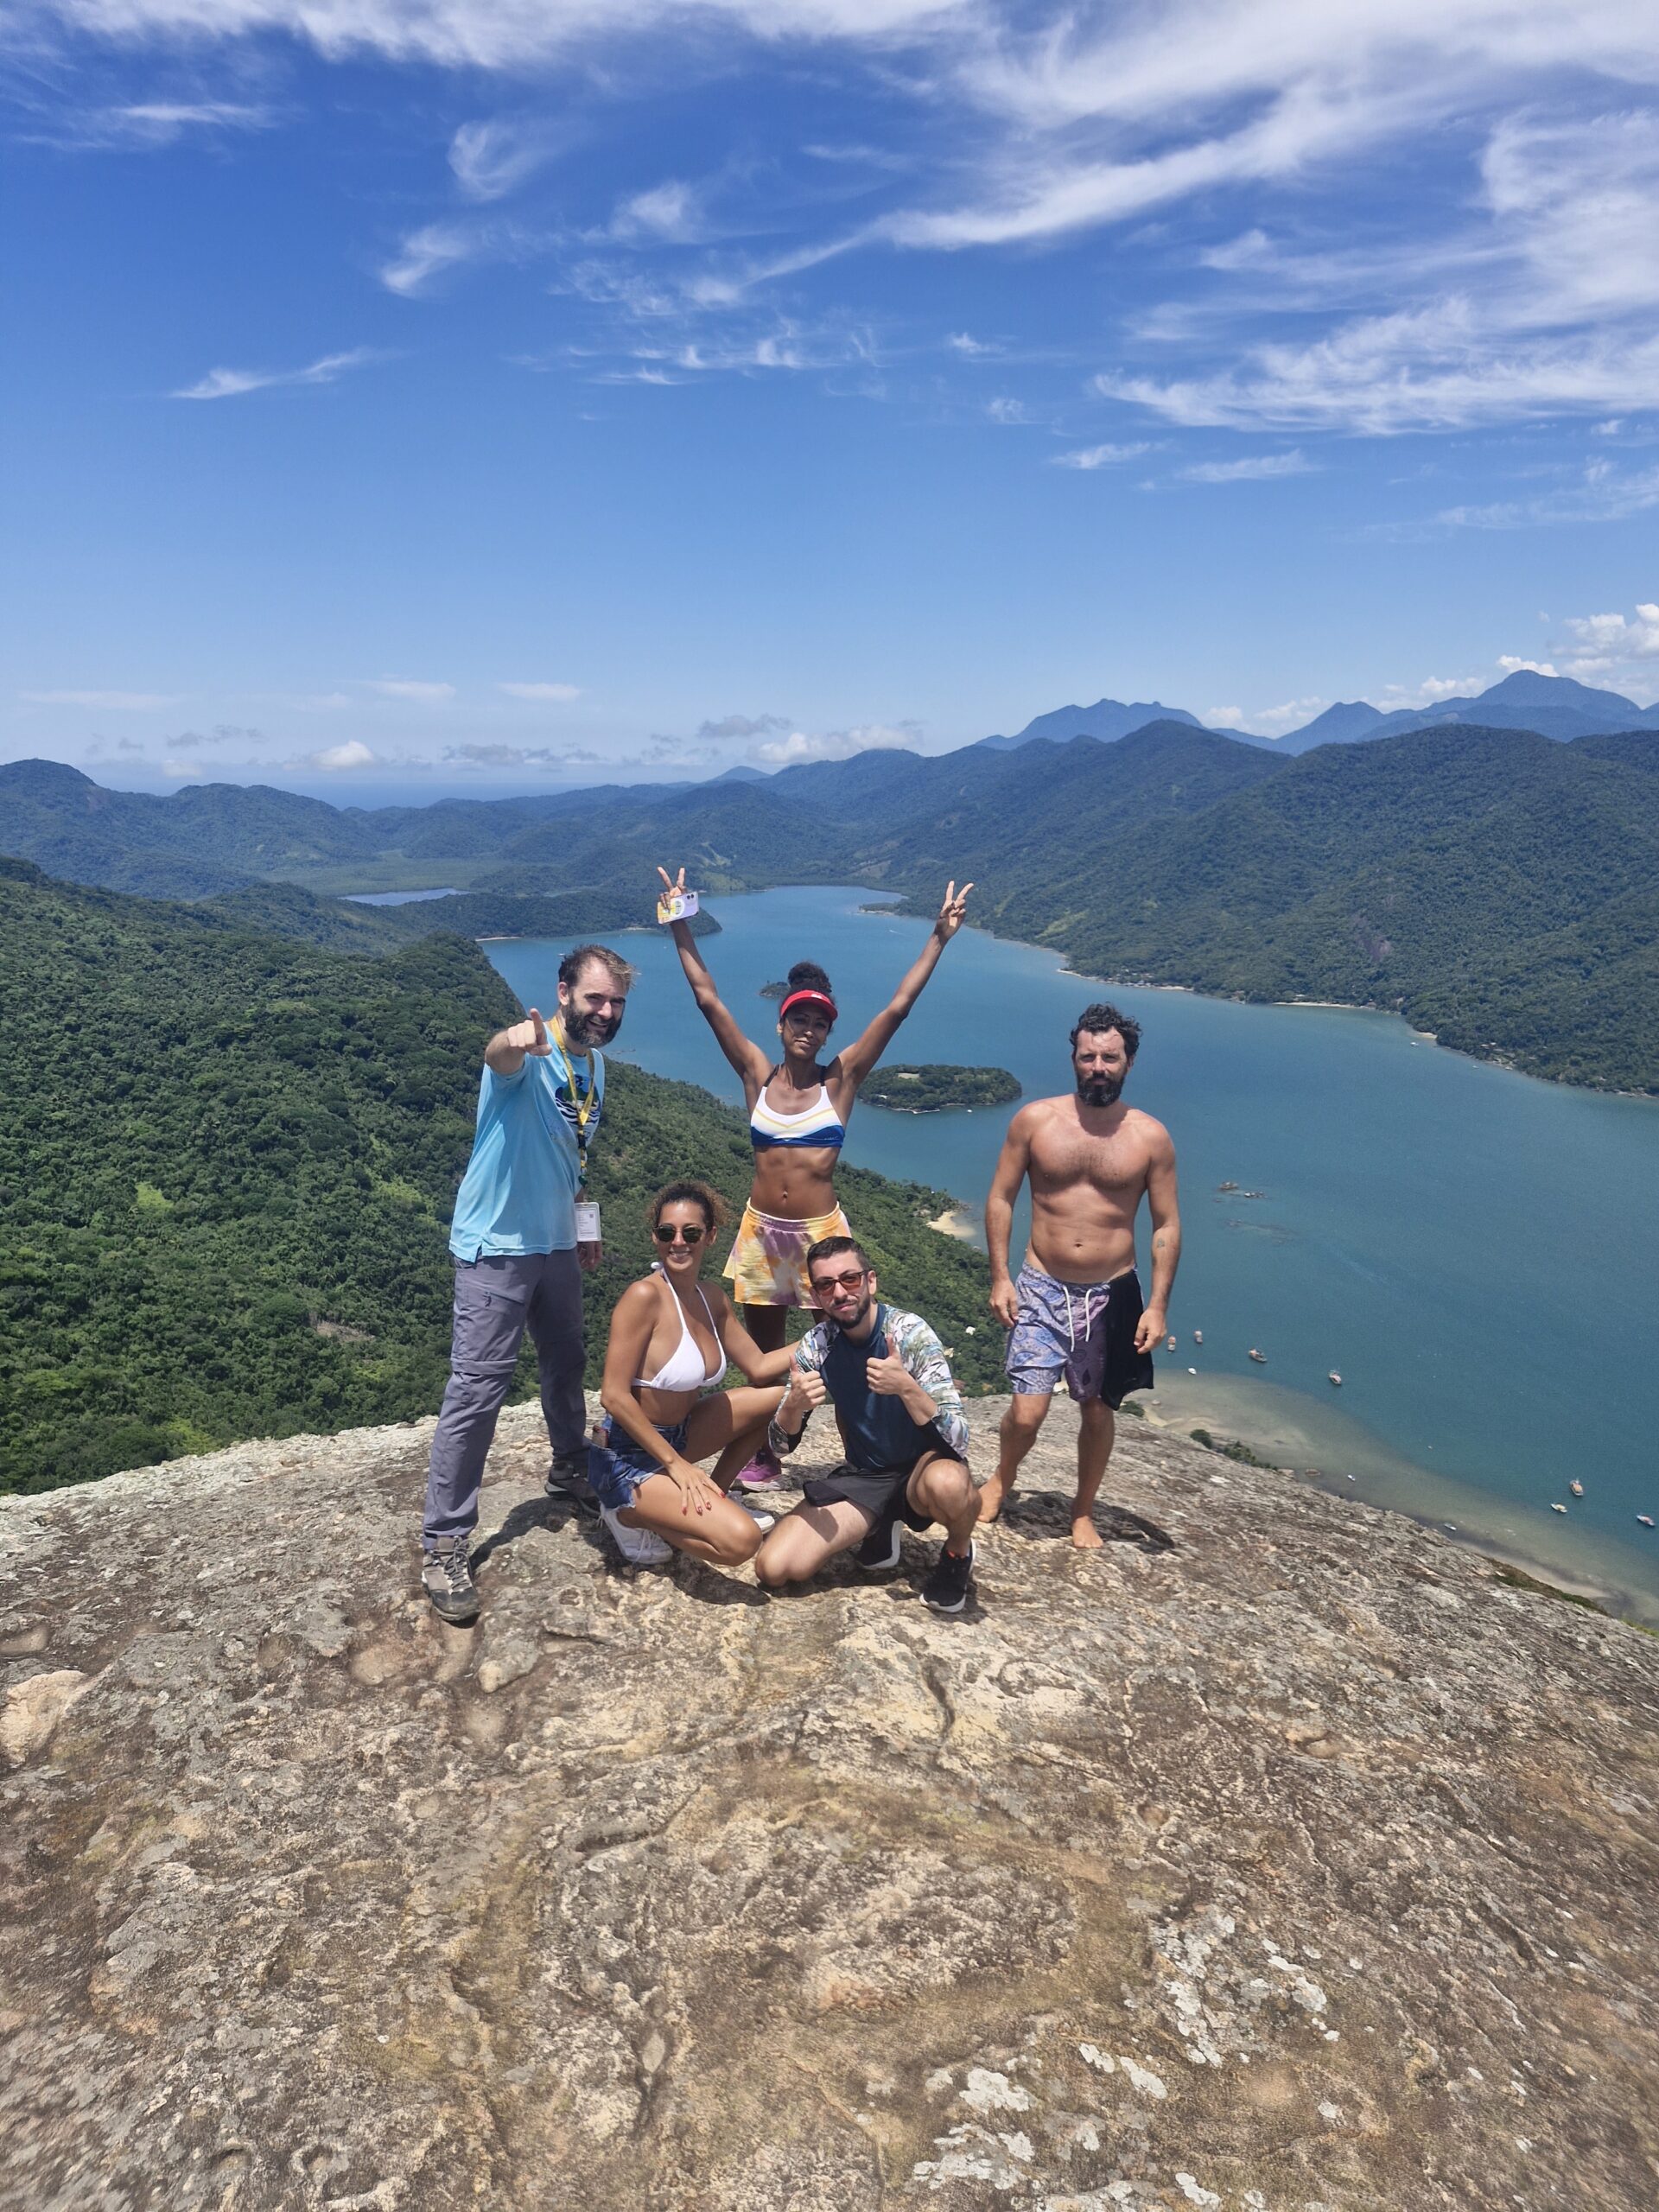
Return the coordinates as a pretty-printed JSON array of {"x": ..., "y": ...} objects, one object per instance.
[
  {"x": 929, "y": 1090},
  {"x": 773, "y": 990}
]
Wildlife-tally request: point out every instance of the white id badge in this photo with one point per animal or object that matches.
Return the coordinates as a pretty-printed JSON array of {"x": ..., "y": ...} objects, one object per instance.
[{"x": 587, "y": 1224}]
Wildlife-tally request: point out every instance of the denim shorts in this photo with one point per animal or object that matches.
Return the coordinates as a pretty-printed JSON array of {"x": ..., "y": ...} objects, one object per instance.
[{"x": 616, "y": 1467}]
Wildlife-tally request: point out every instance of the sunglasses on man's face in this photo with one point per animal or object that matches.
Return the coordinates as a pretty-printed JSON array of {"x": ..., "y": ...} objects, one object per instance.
[
  {"x": 666, "y": 1231},
  {"x": 826, "y": 1284}
]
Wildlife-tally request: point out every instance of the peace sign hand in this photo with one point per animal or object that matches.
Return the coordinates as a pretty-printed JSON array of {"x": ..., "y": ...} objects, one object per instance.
[
  {"x": 951, "y": 913},
  {"x": 673, "y": 886}
]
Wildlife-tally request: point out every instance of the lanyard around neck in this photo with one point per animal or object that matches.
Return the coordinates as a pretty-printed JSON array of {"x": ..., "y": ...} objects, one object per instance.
[{"x": 582, "y": 1107}]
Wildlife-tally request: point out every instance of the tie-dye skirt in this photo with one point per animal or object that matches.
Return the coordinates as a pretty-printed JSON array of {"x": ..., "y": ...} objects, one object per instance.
[{"x": 768, "y": 1265}]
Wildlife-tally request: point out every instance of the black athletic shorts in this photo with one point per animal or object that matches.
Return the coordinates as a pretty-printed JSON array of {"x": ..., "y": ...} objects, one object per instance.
[{"x": 877, "y": 1491}]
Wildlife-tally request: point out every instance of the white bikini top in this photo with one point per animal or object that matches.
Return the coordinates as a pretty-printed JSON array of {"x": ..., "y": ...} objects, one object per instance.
[{"x": 682, "y": 1369}]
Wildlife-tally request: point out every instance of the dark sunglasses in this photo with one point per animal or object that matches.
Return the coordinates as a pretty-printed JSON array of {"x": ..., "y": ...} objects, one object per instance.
[
  {"x": 824, "y": 1284},
  {"x": 666, "y": 1231}
]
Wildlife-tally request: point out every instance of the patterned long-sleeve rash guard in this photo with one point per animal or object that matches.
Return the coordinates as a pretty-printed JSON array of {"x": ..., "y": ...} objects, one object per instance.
[{"x": 923, "y": 1358}]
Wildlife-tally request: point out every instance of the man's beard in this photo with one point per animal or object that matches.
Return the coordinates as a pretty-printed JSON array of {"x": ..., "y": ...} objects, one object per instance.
[
  {"x": 1100, "y": 1089},
  {"x": 590, "y": 1029}
]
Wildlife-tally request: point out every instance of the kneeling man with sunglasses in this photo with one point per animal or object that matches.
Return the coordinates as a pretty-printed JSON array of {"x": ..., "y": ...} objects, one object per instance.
[{"x": 902, "y": 1429}]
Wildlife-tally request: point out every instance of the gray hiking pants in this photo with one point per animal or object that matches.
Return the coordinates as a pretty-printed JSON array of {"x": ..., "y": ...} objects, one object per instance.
[{"x": 496, "y": 1300}]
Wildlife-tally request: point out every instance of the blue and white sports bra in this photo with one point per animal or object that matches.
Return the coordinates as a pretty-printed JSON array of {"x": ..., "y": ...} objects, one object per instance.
[
  {"x": 682, "y": 1369},
  {"x": 819, "y": 1126}
]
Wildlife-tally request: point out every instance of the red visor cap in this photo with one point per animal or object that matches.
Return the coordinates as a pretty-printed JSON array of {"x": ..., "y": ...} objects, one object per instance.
[{"x": 809, "y": 998}]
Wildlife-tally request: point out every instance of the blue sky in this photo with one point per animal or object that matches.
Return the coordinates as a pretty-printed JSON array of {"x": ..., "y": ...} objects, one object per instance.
[{"x": 480, "y": 394}]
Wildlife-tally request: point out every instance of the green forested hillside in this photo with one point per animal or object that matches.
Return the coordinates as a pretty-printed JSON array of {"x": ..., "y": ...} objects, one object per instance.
[
  {"x": 1496, "y": 887},
  {"x": 1479, "y": 881},
  {"x": 340, "y": 925},
  {"x": 934, "y": 1086},
  {"x": 227, "y": 1161}
]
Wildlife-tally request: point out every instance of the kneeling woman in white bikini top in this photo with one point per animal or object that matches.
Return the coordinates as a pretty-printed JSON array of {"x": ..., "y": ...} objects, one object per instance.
[{"x": 670, "y": 1344}]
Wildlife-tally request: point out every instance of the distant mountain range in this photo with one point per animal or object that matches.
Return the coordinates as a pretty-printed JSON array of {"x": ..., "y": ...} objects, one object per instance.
[
  {"x": 1499, "y": 887},
  {"x": 1554, "y": 706},
  {"x": 1107, "y": 719}
]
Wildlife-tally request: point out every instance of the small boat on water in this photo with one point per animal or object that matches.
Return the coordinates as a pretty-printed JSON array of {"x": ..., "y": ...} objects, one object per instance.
[
  {"x": 1197, "y": 1336},
  {"x": 1170, "y": 1346},
  {"x": 1646, "y": 1519},
  {"x": 1260, "y": 1357},
  {"x": 1557, "y": 1509},
  {"x": 1576, "y": 1487},
  {"x": 1192, "y": 1371},
  {"x": 1334, "y": 1377}
]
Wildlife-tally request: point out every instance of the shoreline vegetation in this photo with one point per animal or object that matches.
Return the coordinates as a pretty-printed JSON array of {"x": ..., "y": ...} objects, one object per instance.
[
  {"x": 936, "y": 1087},
  {"x": 1467, "y": 877}
]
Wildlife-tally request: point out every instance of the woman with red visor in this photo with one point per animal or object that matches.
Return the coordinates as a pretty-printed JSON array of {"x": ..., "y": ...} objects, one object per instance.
[{"x": 798, "y": 1111}]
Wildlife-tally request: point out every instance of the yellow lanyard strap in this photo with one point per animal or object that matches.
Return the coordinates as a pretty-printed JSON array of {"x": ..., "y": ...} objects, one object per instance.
[{"x": 583, "y": 1107}]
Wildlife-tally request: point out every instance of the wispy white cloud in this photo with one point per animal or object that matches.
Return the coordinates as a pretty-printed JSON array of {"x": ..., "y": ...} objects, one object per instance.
[
  {"x": 1512, "y": 664},
  {"x": 339, "y": 759},
  {"x": 1429, "y": 692},
  {"x": 492, "y": 157},
  {"x": 412, "y": 689},
  {"x": 1253, "y": 469},
  {"x": 1011, "y": 412},
  {"x": 1106, "y": 456},
  {"x": 505, "y": 35},
  {"x": 146, "y": 126},
  {"x": 838, "y": 744},
  {"x": 963, "y": 342},
  {"x": 428, "y": 252},
  {"x": 231, "y": 384},
  {"x": 1602, "y": 493},
  {"x": 668, "y": 213},
  {"x": 119, "y": 703},
  {"x": 1617, "y": 651},
  {"x": 177, "y": 771},
  {"x": 1288, "y": 714},
  {"x": 547, "y": 694},
  {"x": 520, "y": 756},
  {"x": 731, "y": 726},
  {"x": 1441, "y": 367}
]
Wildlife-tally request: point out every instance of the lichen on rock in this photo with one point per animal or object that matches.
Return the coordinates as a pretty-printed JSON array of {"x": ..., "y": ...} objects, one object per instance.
[{"x": 1231, "y": 1865}]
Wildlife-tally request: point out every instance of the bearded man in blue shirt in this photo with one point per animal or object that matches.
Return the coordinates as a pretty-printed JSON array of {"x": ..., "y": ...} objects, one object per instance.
[{"x": 521, "y": 1243}]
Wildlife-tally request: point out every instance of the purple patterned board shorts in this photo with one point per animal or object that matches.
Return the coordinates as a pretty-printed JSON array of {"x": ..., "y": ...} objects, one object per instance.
[{"x": 1084, "y": 1330}]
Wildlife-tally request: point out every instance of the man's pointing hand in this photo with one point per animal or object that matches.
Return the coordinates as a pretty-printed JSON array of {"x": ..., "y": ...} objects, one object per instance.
[{"x": 530, "y": 1036}]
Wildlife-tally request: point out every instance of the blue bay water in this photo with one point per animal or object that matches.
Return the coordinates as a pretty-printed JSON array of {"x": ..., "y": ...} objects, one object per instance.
[
  {"x": 1471, "y": 1250},
  {"x": 394, "y": 898}
]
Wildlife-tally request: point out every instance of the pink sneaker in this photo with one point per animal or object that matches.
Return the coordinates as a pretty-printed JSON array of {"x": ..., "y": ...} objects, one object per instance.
[{"x": 762, "y": 1472}]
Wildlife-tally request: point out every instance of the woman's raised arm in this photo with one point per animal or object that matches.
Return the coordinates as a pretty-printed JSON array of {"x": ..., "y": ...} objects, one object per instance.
[
  {"x": 857, "y": 1061},
  {"x": 750, "y": 1062}
]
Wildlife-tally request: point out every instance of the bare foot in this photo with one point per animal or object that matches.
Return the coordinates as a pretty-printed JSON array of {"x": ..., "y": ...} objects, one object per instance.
[
  {"x": 992, "y": 1499},
  {"x": 1084, "y": 1534}
]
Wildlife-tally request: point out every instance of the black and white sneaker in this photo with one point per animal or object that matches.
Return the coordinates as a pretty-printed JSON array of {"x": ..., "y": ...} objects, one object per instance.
[
  {"x": 950, "y": 1585},
  {"x": 446, "y": 1578},
  {"x": 568, "y": 1483},
  {"x": 878, "y": 1553}
]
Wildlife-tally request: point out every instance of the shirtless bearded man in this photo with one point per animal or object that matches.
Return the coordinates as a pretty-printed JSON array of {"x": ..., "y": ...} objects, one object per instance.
[{"x": 1075, "y": 1309}]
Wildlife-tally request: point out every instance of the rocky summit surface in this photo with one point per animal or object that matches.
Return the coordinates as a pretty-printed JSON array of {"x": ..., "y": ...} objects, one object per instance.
[{"x": 1278, "y": 1856}]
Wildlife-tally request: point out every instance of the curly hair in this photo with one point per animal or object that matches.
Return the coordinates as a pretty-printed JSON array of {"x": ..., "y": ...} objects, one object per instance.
[
  {"x": 1100, "y": 1017},
  {"x": 715, "y": 1211}
]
